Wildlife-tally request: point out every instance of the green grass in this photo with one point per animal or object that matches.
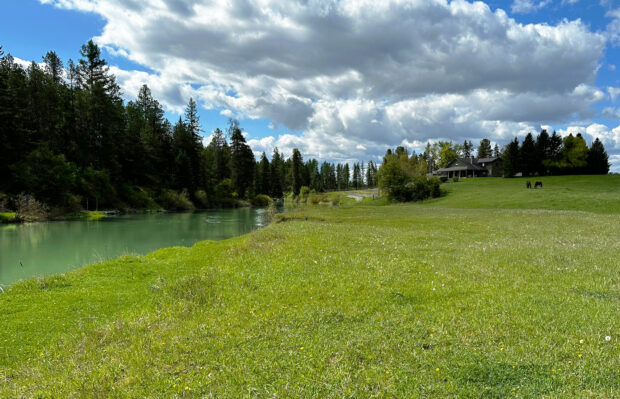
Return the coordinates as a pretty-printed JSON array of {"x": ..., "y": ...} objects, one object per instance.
[
  {"x": 600, "y": 194},
  {"x": 7, "y": 217},
  {"x": 94, "y": 215},
  {"x": 441, "y": 299}
]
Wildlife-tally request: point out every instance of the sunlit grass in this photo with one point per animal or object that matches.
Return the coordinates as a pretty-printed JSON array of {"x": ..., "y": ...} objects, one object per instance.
[
  {"x": 6, "y": 217},
  {"x": 356, "y": 301}
]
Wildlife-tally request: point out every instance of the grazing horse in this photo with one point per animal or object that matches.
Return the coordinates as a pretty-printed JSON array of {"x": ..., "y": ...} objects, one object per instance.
[
  {"x": 528, "y": 184},
  {"x": 538, "y": 184}
]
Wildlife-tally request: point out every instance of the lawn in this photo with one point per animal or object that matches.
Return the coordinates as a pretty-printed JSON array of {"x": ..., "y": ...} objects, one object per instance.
[{"x": 491, "y": 291}]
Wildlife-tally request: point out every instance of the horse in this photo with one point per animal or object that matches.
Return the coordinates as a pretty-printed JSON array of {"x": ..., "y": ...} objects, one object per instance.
[
  {"x": 538, "y": 184},
  {"x": 528, "y": 184}
]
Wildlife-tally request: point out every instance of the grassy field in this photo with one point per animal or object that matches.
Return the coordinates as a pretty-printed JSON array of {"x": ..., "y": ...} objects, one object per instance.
[{"x": 492, "y": 291}]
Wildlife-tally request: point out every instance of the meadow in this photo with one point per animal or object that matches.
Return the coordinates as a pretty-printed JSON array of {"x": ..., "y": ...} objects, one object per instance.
[{"x": 491, "y": 291}]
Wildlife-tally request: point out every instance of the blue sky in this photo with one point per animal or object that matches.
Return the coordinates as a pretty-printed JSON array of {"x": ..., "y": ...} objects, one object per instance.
[{"x": 302, "y": 77}]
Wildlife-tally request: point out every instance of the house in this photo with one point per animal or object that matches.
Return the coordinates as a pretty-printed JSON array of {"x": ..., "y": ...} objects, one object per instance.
[{"x": 472, "y": 167}]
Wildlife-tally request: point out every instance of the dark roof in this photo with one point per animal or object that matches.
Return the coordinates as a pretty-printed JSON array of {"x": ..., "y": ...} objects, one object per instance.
[{"x": 486, "y": 160}]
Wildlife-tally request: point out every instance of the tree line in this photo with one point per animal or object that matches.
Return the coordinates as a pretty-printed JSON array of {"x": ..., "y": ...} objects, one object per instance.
[
  {"x": 554, "y": 155},
  {"x": 68, "y": 139}
]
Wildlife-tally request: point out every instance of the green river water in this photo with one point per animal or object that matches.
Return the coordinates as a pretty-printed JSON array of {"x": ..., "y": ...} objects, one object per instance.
[{"x": 41, "y": 249}]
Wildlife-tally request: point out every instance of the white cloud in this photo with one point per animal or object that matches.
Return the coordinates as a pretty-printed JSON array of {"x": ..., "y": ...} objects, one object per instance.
[
  {"x": 528, "y": 6},
  {"x": 356, "y": 76}
]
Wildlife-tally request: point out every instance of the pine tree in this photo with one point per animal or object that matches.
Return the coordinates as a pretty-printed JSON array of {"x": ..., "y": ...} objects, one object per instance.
[
  {"x": 496, "y": 152},
  {"x": 543, "y": 151},
  {"x": 297, "y": 167},
  {"x": 346, "y": 177},
  {"x": 241, "y": 161},
  {"x": 528, "y": 156},
  {"x": 277, "y": 174},
  {"x": 265, "y": 176},
  {"x": 598, "y": 160},
  {"x": 510, "y": 158},
  {"x": 467, "y": 148},
  {"x": 484, "y": 150}
]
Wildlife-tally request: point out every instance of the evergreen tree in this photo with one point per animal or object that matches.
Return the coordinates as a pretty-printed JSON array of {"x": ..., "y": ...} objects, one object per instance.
[
  {"x": 346, "y": 176},
  {"x": 510, "y": 158},
  {"x": 598, "y": 160},
  {"x": 277, "y": 174},
  {"x": 467, "y": 149},
  {"x": 241, "y": 161},
  {"x": 484, "y": 150},
  {"x": 543, "y": 151},
  {"x": 529, "y": 157},
  {"x": 265, "y": 176},
  {"x": 100, "y": 111},
  {"x": 297, "y": 166},
  {"x": 496, "y": 152}
]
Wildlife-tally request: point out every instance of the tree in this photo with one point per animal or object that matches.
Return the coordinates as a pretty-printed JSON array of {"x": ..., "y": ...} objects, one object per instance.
[
  {"x": 529, "y": 156},
  {"x": 296, "y": 171},
  {"x": 346, "y": 176},
  {"x": 264, "y": 173},
  {"x": 543, "y": 151},
  {"x": 403, "y": 178},
  {"x": 448, "y": 152},
  {"x": 496, "y": 152},
  {"x": 484, "y": 150},
  {"x": 467, "y": 149},
  {"x": 510, "y": 158},
  {"x": 277, "y": 174},
  {"x": 241, "y": 161},
  {"x": 573, "y": 156},
  {"x": 598, "y": 160}
]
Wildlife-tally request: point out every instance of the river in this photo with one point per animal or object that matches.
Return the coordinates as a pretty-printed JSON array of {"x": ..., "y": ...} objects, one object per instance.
[{"x": 41, "y": 249}]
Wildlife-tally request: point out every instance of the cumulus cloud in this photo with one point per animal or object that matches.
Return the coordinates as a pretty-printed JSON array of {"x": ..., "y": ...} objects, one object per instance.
[
  {"x": 355, "y": 76},
  {"x": 528, "y": 6}
]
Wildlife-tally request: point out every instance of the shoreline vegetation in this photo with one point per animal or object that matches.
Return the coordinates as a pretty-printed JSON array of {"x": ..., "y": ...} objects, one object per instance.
[{"x": 492, "y": 290}]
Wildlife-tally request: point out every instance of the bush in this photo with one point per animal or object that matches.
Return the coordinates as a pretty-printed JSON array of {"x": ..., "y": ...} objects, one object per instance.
[
  {"x": 304, "y": 192},
  {"x": 404, "y": 179},
  {"x": 174, "y": 201},
  {"x": 455, "y": 179},
  {"x": 29, "y": 209},
  {"x": 202, "y": 199},
  {"x": 262, "y": 201},
  {"x": 316, "y": 199},
  {"x": 137, "y": 197},
  {"x": 225, "y": 194}
]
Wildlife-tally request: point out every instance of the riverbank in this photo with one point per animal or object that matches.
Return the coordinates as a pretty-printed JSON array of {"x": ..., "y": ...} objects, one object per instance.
[{"x": 363, "y": 300}]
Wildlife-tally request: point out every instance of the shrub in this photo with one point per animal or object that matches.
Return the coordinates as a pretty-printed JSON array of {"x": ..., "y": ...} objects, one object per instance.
[
  {"x": 316, "y": 199},
  {"x": 455, "y": 179},
  {"x": 304, "y": 192},
  {"x": 404, "y": 179},
  {"x": 201, "y": 198},
  {"x": 29, "y": 209},
  {"x": 262, "y": 201},
  {"x": 138, "y": 197},
  {"x": 174, "y": 201}
]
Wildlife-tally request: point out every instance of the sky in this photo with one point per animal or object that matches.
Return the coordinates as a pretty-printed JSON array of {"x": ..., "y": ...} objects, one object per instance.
[{"x": 343, "y": 80}]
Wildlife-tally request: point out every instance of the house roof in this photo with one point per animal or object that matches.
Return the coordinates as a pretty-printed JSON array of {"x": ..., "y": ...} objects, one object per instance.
[{"x": 486, "y": 160}]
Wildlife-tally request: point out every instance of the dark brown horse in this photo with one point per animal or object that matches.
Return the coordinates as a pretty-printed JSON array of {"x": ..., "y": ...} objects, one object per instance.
[
  {"x": 538, "y": 184},
  {"x": 528, "y": 184}
]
